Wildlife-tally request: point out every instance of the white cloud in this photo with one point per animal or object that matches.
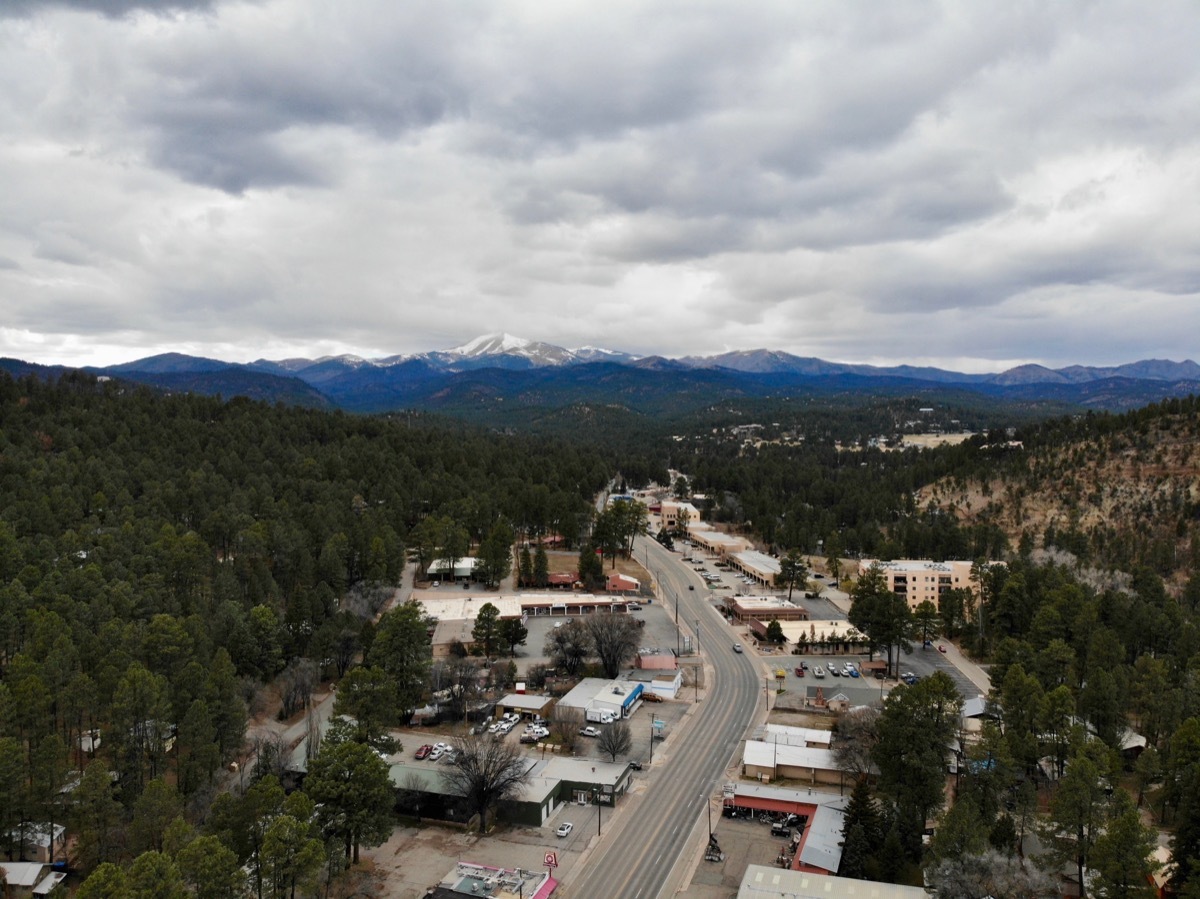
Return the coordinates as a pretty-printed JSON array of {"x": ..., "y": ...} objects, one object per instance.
[{"x": 910, "y": 183}]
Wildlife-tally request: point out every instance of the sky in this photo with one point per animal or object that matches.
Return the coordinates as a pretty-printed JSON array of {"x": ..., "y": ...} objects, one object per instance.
[{"x": 970, "y": 185}]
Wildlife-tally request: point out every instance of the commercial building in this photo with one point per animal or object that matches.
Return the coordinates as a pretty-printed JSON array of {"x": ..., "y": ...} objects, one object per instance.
[
  {"x": 676, "y": 514},
  {"x": 455, "y": 614},
  {"x": 774, "y": 761},
  {"x": 550, "y": 784},
  {"x": 761, "y": 882},
  {"x": 721, "y": 545},
  {"x": 617, "y": 697},
  {"x": 819, "y": 848},
  {"x": 762, "y": 568},
  {"x": 765, "y": 608},
  {"x": 468, "y": 879}
]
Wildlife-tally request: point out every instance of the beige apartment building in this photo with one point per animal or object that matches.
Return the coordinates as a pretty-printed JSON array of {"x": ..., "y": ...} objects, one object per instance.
[{"x": 918, "y": 580}]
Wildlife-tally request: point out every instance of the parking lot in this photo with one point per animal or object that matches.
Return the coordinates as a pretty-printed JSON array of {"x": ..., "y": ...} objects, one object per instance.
[{"x": 658, "y": 632}]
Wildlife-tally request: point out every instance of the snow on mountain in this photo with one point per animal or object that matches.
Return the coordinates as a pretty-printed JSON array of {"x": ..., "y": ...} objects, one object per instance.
[
  {"x": 507, "y": 345},
  {"x": 492, "y": 344}
]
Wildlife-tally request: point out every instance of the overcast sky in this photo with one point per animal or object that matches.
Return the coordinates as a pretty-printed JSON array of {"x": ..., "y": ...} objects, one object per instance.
[{"x": 972, "y": 185}]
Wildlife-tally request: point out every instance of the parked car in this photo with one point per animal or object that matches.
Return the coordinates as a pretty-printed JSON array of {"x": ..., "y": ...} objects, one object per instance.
[
  {"x": 818, "y": 671},
  {"x": 636, "y": 766},
  {"x": 651, "y": 697},
  {"x": 423, "y": 751},
  {"x": 799, "y": 671},
  {"x": 530, "y": 738},
  {"x": 436, "y": 754},
  {"x": 564, "y": 829},
  {"x": 589, "y": 731},
  {"x": 450, "y": 757},
  {"x": 834, "y": 672}
]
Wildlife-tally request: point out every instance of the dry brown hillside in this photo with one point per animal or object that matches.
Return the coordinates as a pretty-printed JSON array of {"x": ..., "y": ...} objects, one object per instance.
[{"x": 1115, "y": 500}]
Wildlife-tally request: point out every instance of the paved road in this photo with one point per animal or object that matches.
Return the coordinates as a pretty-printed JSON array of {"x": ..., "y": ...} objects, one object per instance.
[{"x": 636, "y": 861}]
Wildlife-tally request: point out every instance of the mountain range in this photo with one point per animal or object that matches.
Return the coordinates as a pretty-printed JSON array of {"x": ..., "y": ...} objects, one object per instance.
[{"x": 497, "y": 369}]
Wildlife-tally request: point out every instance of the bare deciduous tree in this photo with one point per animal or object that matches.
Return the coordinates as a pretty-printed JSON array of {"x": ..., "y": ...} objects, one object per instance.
[
  {"x": 569, "y": 646},
  {"x": 614, "y": 640},
  {"x": 295, "y": 685},
  {"x": 615, "y": 739},
  {"x": 854, "y": 740},
  {"x": 485, "y": 772},
  {"x": 990, "y": 874},
  {"x": 564, "y": 725}
]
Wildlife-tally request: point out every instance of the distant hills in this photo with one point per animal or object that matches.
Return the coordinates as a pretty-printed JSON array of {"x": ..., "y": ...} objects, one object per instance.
[{"x": 502, "y": 371}]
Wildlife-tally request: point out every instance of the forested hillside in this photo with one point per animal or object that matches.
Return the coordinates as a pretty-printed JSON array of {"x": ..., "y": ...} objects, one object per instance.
[
  {"x": 164, "y": 557},
  {"x": 1116, "y": 491}
]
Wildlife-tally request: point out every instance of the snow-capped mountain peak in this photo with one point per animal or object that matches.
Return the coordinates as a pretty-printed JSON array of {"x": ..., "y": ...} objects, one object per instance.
[{"x": 491, "y": 344}]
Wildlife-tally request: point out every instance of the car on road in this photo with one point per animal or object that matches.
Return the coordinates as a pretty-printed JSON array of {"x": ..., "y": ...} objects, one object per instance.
[
  {"x": 737, "y": 647},
  {"x": 941, "y": 647},
  {"x": 564, "y": 829},
  {"x": 589, "y": 731},
  {"x": 423, "y": 751}
]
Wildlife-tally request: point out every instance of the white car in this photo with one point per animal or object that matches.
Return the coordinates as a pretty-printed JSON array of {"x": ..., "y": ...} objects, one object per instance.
[
  {"x": 818, "y": 671},
  {"x": 590, "y": 731},
  {"x": 436, "y": 754},
  {"x": 564, "y": 829}
]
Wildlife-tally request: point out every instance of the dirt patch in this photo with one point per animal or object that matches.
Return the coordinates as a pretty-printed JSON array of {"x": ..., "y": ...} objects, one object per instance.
[{"x": 565, "y": 562}]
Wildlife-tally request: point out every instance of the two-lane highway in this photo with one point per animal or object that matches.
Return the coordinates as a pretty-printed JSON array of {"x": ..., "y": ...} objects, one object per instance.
[{"x": 637, "y": 860}]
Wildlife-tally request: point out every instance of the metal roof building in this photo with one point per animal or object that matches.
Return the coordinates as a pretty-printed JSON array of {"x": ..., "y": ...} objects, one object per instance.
[{"x": 761, "y": 882}]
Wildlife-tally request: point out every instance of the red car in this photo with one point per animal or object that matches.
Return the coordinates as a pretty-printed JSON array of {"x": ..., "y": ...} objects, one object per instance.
[
  {"x": 424, "y": 751},
  {"x": 799, "y": 672}
]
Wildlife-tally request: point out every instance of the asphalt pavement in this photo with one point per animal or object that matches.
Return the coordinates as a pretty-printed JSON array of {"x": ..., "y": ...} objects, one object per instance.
[{"x": 645, "y": 853}]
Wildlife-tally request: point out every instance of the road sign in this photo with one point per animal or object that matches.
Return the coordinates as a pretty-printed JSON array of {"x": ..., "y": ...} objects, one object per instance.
[{"x": 551, "y": 860}]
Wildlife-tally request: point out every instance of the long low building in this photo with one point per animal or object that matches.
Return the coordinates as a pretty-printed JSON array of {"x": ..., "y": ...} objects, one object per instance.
[
  {"x": 765, "y": 608},
  {"x": 819, "y": 849},
  {"x": 761, "y": 882},
  {"x": 449, "y": 607},
  {"x": 763, "y": 568},
  {"x": 551, "y": 783},
  {"x": 455, "y": 614},
  {"x": 777, "y": 761},
  {"x": 795, "y": 736}
]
